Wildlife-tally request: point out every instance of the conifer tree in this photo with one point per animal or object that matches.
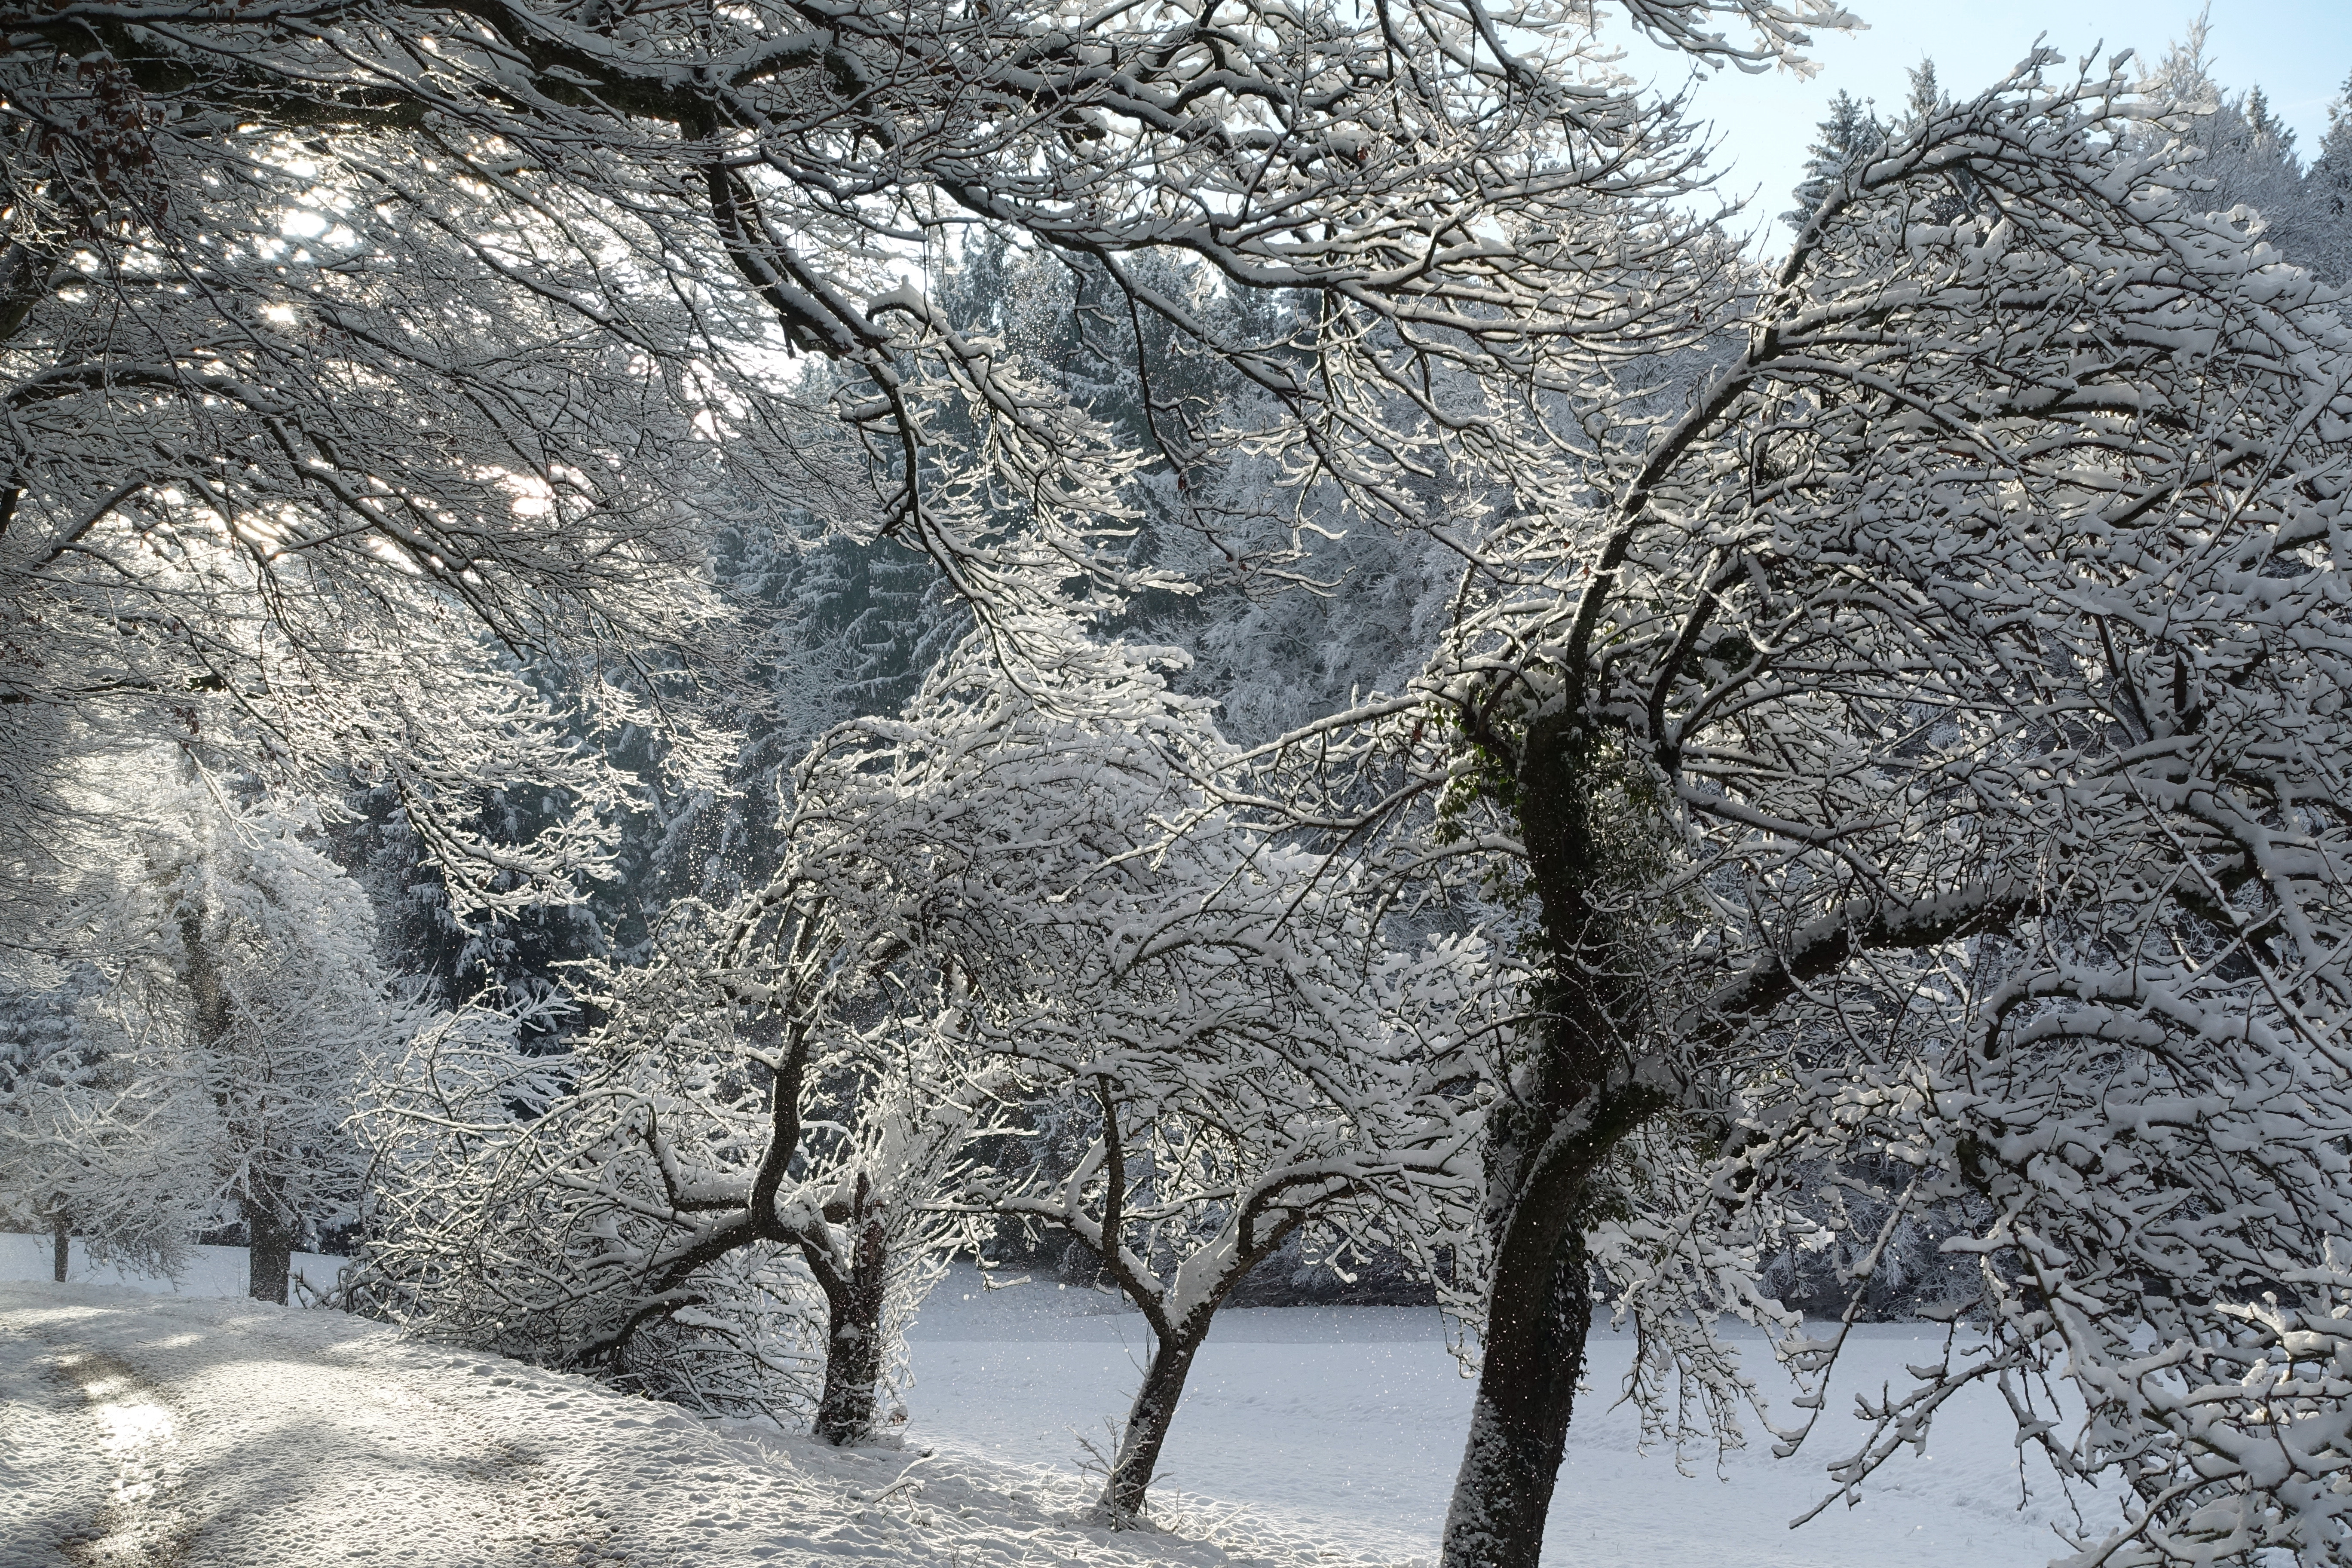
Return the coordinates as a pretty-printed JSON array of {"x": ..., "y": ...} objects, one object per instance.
[
  {"x": 2329, "y": 180},
  {"x": 1852, "y": 130},
  {"x": 2243, "y": 153},
  {"x": 1927, "y": 98}
]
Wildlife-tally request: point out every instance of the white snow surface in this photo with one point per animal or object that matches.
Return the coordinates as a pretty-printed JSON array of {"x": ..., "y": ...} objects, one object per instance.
[
  {"x": 198, "y": 1430},
  {"x": 1348, "y": 1422},
  {"x": 210, "y": 1270},
  {"x": 216, "y": 1433}
]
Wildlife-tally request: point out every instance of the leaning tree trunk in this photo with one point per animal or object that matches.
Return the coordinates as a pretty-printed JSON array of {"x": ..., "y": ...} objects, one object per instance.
[
  {"x": 1175, "y": 1343},
  {"x": 1534, "y": 1354},
  {"x": 1545, "y": 1150},
  {"x": 1147, "y": 1421},
  {"x": 853, "y": 1361},
  {"x": 1178, "y": 1339}
]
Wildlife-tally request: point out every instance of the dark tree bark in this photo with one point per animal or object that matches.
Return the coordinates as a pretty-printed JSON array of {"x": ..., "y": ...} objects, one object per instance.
[
  {"x": 1594, "y": 1080},
  {"x": 207, "y": 996},
  {"x": 853, "y": 1361},
  {"x": 1582, "y": 1094},
  {"x": 1518, "y": 1422},
  {"x": 1147, "y": 1421},
  {"x": 269, "y": 1250},
  {"x": 855, "y": 1288},
  {"x": 59, "y": 1233},
  {"x": 1264, "y": 1226}
]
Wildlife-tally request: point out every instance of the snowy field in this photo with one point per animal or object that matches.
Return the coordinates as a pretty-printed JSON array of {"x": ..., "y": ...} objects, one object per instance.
[
  {"x": 1348, "y": 1421},
  {"x": 197, "y": 1430},
  {"x": 211, "y": 1270}
]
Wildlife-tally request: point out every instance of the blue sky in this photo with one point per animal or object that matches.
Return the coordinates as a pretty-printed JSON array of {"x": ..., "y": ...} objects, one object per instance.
[{"x": 2298, "y": 51}]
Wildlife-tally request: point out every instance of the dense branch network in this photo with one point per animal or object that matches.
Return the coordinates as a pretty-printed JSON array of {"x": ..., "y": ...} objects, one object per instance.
[{"x": 1929, "y": 751}]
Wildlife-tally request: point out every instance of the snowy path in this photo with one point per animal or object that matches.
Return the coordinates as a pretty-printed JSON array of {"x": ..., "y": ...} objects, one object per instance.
[
  {"x": 234, "y": 1435},
  {"x": 141, "y": 1431}
]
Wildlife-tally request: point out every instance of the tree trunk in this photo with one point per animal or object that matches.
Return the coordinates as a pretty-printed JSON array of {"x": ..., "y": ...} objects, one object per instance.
[
  {"x": 1178, "y": 1340},
  {"x": 853, "y": 1360},
  {"x": 269, "y": 1236},
  {"x": 1148, "y": 1422},
  {"x": 1543, "y": 1151},
  {"x": 1535, "y": 1345},
  {"x": 59, "y": 1233},
  {"x": 269, "y": 1230}
]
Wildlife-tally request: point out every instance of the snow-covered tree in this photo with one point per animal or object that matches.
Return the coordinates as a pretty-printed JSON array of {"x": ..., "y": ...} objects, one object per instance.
[
  {"x": 1926, "y": 97},
  {"x": 1237, "y": 1080},
  {"x": 1238, "y": 1052},
  {"x": 1850, "y": 131},
  {"x": 234, "y": 999},
  {"x": 1929, "y": 749},
  {"x": 88, "y": 1146},
  {"x": 36, "y": 1055},
  {"x": 724, "y": 1193}
]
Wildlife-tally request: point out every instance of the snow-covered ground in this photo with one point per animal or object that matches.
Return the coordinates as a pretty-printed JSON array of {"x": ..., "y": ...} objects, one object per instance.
[
  {"x": 159, "y": 1429},
  {"x": 155, "y": 1430},
  {"x": 1348, "y": 1421}
]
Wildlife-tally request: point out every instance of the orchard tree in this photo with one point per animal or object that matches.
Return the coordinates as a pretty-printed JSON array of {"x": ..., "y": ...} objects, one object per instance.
[
  {"x": 1239, "y": 1047},
  {"x": 89, "y": 1146},
  {"x": 726, "y": 1191},
  {"x": 1225, "y": 1091},
  {"x": 219, "y": 1056},
  {"x": 749, "y": 1169},
  {"x": 1930, "y": 748}
]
